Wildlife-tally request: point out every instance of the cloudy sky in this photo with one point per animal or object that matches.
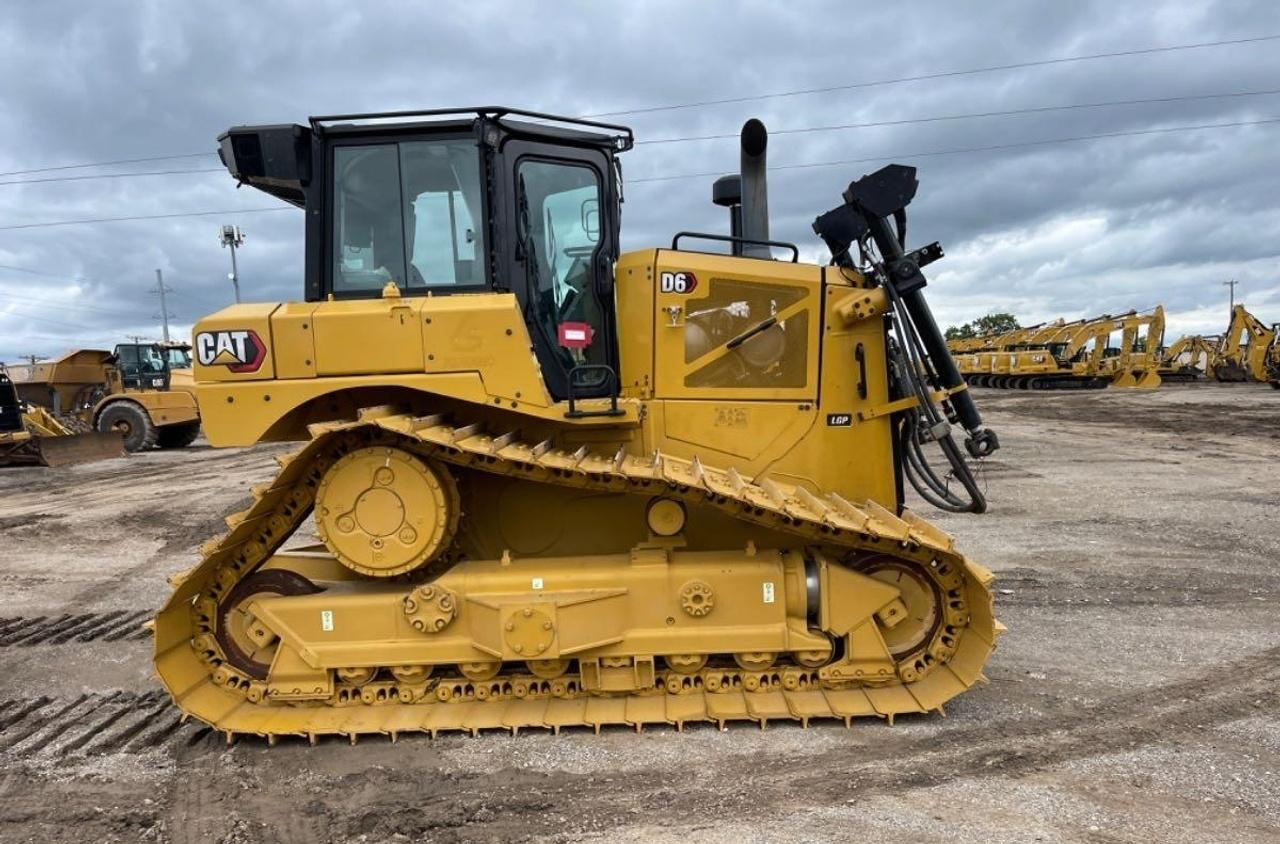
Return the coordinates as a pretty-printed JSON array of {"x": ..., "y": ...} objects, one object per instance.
[{"x": 1039, "y": 227}]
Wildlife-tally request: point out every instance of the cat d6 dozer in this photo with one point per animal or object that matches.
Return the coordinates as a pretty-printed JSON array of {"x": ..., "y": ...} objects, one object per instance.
[{"x": 555, "y": 485}]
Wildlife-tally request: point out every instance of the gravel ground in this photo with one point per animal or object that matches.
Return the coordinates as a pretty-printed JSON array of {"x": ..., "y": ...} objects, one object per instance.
[{"x": 1135, "y": 697}]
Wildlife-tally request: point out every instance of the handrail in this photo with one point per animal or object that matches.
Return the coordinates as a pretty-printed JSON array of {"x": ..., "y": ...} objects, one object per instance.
[{"x": 724, "y": 238}]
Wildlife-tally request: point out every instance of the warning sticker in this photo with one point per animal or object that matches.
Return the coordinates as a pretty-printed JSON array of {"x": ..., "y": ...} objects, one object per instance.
[
  {"x": 326, "y": 621},
  {"x": 768, "y": 592}
]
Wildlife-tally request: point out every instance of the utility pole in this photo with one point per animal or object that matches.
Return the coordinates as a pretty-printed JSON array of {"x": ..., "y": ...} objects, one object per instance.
[
  {"x": 32, "y": 359},
  {"x": 1231, "y": 284},
  {"x": 232, "y": 236},
  {"x": 164, "y": 310}
]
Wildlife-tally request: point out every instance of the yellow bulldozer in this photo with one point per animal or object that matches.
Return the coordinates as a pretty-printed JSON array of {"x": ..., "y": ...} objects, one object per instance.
[
  {"x": 555, "y": 485},
  {"x": 144, "y": 391},
  {"x": 30, "y": 435}
]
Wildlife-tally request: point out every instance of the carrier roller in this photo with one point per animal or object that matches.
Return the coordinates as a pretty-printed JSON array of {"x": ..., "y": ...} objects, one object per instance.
[{"x": 828, "y": 609}]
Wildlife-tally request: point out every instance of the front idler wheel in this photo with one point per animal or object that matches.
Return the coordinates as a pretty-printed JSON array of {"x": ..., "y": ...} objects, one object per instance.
[
  {"x": 246, "y": 644},
  {"x": 919, "y": 593}
]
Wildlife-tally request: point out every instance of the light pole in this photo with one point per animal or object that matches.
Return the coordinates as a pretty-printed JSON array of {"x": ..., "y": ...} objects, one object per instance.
[
  {"x": 231, "y": 236},
  {"x": 164, "y": 308},
  {"x": 1232, "y": 284}
]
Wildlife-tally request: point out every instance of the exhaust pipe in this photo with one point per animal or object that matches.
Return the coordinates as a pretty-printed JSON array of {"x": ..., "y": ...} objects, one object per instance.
[{"x": 755, "y": 189}]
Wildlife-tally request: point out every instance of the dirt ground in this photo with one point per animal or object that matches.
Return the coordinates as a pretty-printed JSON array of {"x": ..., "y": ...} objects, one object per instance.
[{"x": 1136, "y": 696}]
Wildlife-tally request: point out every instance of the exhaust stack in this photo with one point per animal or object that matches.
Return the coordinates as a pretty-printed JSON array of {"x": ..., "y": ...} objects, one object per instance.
[{"x": 755, "y": 189}]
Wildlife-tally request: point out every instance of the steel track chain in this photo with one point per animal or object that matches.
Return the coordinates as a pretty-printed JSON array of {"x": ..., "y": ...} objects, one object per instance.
[{"x": 951, "y": 662}]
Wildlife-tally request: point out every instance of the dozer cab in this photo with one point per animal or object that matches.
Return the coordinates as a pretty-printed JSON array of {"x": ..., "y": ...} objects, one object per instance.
[
  {"x": 555, "y": 485},
  {"x": 143, "y": 391}
]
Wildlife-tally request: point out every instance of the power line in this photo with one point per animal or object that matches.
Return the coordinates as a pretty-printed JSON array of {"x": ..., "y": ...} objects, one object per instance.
[
  {"x": 937, "y": 75},
  {"x": 33, "y": 272},
  {"x": 113, "y": 176},
  {"x": 793, "y": 131},
  {"x": 62, "y": 337},
  {"x": 798, "y": 92},
  {"x": 107, "y": 163},
  {"x": 900, "y": 155},
  {"x": 971, "y": 115},
  {"x": 30, "y": 301},
  {"x": 145, "y": 217},
  {"x": 993, "y": 147},
  {"x": 63, "y": 323}
]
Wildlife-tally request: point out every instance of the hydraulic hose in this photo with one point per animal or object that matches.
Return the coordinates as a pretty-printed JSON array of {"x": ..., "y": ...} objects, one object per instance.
[{"x": 905, "y": 283}]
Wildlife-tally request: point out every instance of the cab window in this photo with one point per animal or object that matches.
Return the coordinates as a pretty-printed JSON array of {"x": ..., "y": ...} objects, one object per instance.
[
  {"x": 559, "y": 208},
  {"x": 409, "y": 213},
  {"x": 178, "y": 358}
]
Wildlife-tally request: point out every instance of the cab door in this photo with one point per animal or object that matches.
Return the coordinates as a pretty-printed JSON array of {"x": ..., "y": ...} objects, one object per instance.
[
  {"x": 736, "y": 329},
  {"x": 565, "y": 242}
]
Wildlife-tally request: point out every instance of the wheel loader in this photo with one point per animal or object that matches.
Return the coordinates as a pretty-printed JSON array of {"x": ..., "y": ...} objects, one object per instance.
[
  {"x": 559, "y": 486},
  {"x": 144, "y": 391},
  {"x": 30, "y": 435}
]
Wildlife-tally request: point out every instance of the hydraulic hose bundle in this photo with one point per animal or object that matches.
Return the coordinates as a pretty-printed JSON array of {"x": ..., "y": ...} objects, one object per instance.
[{"x": 922, "y": 363}]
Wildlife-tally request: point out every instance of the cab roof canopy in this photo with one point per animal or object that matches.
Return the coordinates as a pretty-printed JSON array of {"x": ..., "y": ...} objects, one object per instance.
[{"x": 280, "y": 159}]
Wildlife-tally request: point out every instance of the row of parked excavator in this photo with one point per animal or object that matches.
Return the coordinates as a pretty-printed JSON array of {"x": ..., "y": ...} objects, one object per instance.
[{"x": 1118, "y": 351}]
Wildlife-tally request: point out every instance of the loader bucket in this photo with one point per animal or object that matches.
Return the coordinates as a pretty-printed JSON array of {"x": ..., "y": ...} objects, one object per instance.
[
  {"x": 1124, "y": 378},
  {"x": 79, "y": 448}
]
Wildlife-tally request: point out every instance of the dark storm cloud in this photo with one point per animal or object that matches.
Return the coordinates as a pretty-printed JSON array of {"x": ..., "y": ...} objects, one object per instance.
[{"x": 1050, "y": 230}]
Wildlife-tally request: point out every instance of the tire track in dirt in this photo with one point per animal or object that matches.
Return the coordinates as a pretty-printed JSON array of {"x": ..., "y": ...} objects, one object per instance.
[
  {"x": 114, "y": 626},
  {"x": 91, "y": 724},
  {"x": 1239, "y": 689},
  {"x": 501, "y": 805},
  {"x": 205, "y": 789}
]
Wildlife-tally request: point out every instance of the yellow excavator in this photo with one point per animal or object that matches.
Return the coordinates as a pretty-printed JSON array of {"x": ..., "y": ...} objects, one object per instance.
[
  {"x": 1136, "y": 362},
  {"x": 1067, "y": 355},
  {"x": 1247, "y": 351},
  {"x": 1189, "y": 358},
  {"x": 555, "y": 485}
]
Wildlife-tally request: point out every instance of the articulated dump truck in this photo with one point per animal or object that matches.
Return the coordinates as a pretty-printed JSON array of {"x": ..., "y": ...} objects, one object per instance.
[
  {"x": 1085, "y": 354},
  {"x": 555, "y": 485},
  {"x": 32, "y": 436},
  {"x": 139, "y": 392}
]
